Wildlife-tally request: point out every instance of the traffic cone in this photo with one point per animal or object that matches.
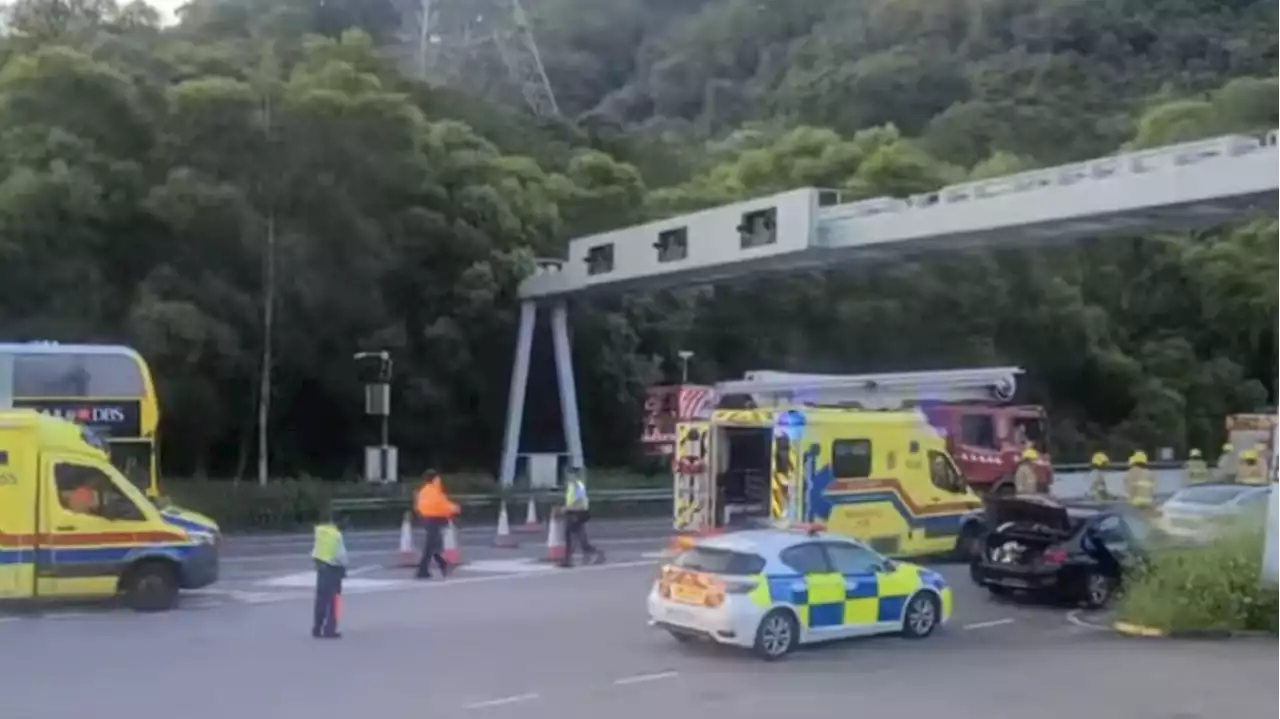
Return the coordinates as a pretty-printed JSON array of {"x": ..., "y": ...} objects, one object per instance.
[
  {"x": 450, "y": 551},
  {"x": 555, "y": 538},
  {"x": 504, "y": 538},
  {"x": 531, "y": 517},
  {"x": 407, "y": 556}
]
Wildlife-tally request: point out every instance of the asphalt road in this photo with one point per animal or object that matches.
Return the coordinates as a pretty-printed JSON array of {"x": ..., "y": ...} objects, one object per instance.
[{"x": 535, "y": 641}]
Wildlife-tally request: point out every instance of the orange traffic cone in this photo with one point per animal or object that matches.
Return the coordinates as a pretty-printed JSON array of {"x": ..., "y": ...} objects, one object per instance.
[
  {"x": 531, "y": 517},
  {"x": 407, "y": 556},
  {"x": 450, "y": 551},
  {"x": 504, "y": 538},
  {"x": 555, "y": 538}
]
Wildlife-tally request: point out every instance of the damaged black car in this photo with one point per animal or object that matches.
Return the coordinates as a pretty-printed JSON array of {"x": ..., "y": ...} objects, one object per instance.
[{"x": 1056, "y": 552}]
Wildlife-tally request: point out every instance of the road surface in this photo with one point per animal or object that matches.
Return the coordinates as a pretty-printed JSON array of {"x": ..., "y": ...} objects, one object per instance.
[{"x": 510, "y": 637}]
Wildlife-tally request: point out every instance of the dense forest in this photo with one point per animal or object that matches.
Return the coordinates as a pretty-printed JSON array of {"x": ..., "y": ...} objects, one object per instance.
[{"x": 180, "y": 187}]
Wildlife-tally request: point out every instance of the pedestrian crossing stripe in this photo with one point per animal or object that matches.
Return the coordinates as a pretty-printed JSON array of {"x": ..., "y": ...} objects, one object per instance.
[{"x": 508, "y": 566}]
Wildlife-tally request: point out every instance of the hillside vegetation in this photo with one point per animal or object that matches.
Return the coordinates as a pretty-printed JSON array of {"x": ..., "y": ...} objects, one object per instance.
[{"x": 155, "y": 184}]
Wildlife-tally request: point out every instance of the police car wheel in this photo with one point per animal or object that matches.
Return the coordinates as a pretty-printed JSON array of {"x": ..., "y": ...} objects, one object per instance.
[
  {"x": 778, "y": 635},
  {"x": 151, "y": 587},
  {"x": 921, "y": 616}
]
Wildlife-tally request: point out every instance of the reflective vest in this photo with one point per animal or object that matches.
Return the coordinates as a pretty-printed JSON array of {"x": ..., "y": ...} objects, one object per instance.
[
  {"x": 1251, "y": 473},
  {"x": 328, "y": 544},
  {"x": 1098, "y": 484},
  {"x": 1139, "y": 485},
  {"x": 431, "y": 502},
  {"x": 1024, "y": 479},
  {"x": 1197, "y": 471},
  {"x": 575, "y": 495}
]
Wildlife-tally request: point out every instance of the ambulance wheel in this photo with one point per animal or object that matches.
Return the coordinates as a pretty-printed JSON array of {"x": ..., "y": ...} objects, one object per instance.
[
  {"x": 151, "y": 587},
  {"x": 922, "y": 615},
  {"x": 778, "y": 635}
]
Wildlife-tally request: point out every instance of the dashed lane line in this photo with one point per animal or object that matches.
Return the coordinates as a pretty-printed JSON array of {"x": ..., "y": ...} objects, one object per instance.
[
  {"x": 504, "y": 701},
  {"x": 992, "y": 623},
  {"x": 1074, "y": 617},
  {"x": 642, "y": 678}
]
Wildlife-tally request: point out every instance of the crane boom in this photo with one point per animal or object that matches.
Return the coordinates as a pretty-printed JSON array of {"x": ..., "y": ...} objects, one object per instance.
[{"x": 769, "y": 388}]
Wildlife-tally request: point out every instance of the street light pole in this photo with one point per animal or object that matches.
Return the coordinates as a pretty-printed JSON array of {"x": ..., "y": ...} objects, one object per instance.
[{"x": 684, "y": 355}]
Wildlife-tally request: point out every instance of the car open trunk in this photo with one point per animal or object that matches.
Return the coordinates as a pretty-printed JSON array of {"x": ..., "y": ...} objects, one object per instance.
[{"x": 1022, "y": 528}]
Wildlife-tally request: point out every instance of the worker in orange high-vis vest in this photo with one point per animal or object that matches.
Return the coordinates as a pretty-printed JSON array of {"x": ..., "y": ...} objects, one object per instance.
[{"x": 434, "y": 510}]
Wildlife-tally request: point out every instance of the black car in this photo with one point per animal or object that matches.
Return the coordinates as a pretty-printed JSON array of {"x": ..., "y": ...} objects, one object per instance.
[{"x": 1069, "y": 553}]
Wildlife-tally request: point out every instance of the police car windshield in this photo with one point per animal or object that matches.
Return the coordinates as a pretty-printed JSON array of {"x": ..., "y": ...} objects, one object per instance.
[{"x": 719, "y": 561}]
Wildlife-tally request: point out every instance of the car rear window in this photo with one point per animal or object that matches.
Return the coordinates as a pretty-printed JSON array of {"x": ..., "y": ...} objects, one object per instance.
[
  {"x": 1210, "y": 495},
  {"x": 719, "y": 561}
]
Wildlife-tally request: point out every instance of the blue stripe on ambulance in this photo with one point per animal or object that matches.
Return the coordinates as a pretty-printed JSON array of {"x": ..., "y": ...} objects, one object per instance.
[{"x": 819, "y": 503}]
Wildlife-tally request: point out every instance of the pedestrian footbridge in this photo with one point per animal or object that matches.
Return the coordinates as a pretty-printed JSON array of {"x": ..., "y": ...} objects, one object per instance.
[{"x": 1187, "y": 186}]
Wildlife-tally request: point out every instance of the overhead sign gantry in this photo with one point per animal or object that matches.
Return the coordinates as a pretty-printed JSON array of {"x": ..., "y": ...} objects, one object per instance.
[{"x": 1187, "y": 186}]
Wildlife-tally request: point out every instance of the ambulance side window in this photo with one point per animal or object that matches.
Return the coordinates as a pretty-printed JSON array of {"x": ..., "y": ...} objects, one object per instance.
[
  {"x": 851, "y": 458},
  {"x": 943, "y": 473},
  {"x": 88, "y": 490}
]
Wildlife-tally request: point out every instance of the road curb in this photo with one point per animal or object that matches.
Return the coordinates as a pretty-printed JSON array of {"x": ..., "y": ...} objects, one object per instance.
[{"x": 1131, "y": 629}]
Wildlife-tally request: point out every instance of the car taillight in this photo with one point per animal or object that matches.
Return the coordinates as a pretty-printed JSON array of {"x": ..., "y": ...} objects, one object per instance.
[{"x": 1054, "y": 556}]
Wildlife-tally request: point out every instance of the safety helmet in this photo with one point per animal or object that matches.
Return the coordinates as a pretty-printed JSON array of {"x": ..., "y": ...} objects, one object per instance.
[
  {"x": 1194, "y": 453},
  {"x": 1137, "y": 458},
  {"x": 1248, "y": 456},
  {"x": 1030, "y": 454},
  {"x": 1226, "y": 448},
  {"x": 1099, "y": 460}
]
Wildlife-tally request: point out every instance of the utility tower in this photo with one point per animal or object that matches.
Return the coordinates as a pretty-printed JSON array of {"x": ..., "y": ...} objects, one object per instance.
[{"x": 450, "y": 40}]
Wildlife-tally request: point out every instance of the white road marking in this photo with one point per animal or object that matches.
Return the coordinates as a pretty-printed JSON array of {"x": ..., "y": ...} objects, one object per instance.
[
  {"x": 503, "y": 701},
  {"x": 641, "y": 678},
  {"x": 509, "y": 566},
  {"x": 300, "y": 580},
  {"x": 9, "y": 619},
  {"x": 992, "y": 623},
  {"x": 656, "y": 555},
  {"x": 1074, "y": 617}
]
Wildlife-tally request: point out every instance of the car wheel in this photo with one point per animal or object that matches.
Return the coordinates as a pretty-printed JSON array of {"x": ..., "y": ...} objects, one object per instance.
[
  {"x": 151, "y": 587},
  {"x": 1098, "y": 589},
  {"x": 921, "y": 616},
  {"x": 968, "y": 544},
  {"x": 778, "y": 635}
]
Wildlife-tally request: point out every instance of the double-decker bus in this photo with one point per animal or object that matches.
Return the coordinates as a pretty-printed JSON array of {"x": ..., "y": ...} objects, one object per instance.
[{"x": 106, "y": 388}]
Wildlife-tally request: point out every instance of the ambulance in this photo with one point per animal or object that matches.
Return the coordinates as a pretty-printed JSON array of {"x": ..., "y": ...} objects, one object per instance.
[
  {"x": 856, "y": 454},
  {"x": 73, "y": 527}
]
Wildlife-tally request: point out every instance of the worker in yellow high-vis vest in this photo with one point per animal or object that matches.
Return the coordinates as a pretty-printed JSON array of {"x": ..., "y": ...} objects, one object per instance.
[
  {"x": 1098, "y": 477},
  {"x": 1251, "y": 470},
  {"x": 1139, "y": 482},
  {"x": 330, "y": 554}
]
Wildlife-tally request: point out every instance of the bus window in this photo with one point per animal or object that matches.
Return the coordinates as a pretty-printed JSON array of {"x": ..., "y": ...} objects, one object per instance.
[{"x": 66, "y": 376}]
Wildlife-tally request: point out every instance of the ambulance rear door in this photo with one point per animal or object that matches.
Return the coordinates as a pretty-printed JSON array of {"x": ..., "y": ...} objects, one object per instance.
[{"x": 694, "y": 491}]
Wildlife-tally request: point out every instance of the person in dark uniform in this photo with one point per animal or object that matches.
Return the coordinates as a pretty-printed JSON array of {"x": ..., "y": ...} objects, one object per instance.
[{"x": 330, "y": 555}]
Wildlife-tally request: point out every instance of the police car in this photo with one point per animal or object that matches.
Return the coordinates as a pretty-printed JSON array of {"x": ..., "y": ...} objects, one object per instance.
[{"x": 771, "y": 590}]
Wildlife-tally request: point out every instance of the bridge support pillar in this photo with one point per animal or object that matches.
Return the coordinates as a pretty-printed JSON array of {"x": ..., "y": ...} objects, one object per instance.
[
  {"x": 516, "y": 396},
  {"x": 564, "y": 380}
]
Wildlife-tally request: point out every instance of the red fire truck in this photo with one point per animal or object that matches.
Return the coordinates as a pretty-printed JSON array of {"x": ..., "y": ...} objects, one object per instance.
[{"x": 970, "y": 408}]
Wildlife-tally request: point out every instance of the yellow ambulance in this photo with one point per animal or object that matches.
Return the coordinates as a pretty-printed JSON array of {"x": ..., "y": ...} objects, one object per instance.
[
  {"x": 72, "y": 526},
  {"x": 883, "y": 477}
]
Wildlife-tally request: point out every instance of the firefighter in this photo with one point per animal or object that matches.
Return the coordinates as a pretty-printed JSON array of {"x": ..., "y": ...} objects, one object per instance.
[
  {"x": 1024, "y": 475},
  {"x": 1197, "y": 470},
  {"x": 1139, "y": 483},
  {"x": 1251, "y": 470},
  {"x": 1226, "y": 469},
  {"x": 1098, "y": 477}
]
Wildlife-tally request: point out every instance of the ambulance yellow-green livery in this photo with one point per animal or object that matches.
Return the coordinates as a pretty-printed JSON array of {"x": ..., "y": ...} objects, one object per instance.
[{"x": 72, "y": 526}]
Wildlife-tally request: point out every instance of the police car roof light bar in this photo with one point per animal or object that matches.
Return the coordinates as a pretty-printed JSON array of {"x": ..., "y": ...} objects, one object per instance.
[{"x": 769, "y": 388}]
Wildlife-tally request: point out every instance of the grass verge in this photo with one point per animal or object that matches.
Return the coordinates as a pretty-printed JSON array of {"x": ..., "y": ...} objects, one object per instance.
[{"x": 1208, "y": 589}]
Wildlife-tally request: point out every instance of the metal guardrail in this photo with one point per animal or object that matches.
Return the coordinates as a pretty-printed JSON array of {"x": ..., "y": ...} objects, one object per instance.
[{"x": 1069, "y": 481}]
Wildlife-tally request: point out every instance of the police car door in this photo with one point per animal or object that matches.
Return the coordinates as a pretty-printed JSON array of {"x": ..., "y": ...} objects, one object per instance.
[
  {"x": 866, "y": 608},
  {"x": 818, "y": 594}
]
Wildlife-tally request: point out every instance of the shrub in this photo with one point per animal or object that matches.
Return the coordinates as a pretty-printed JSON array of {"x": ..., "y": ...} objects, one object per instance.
[
  {"x": 1209, "y": 588},
  {"x": 292, "y": 504}
]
